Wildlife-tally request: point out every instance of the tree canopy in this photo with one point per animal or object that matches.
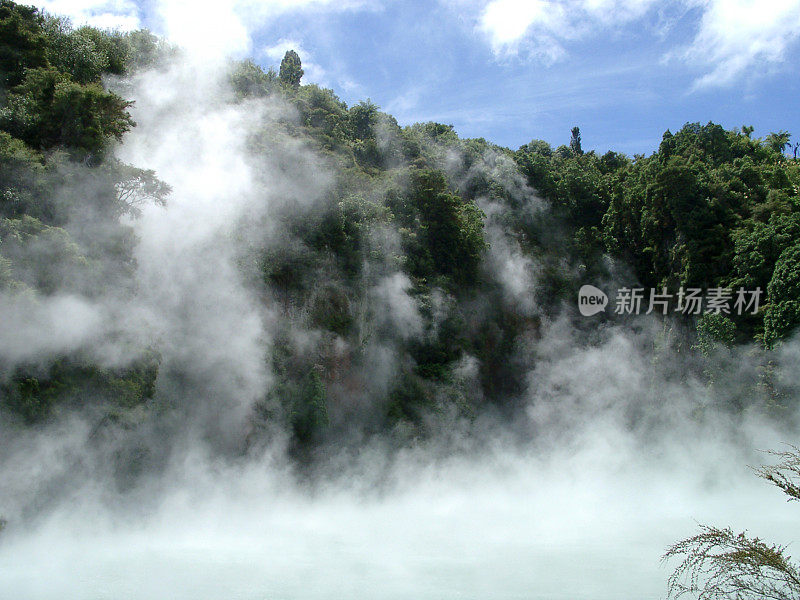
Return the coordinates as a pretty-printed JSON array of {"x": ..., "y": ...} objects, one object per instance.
[{"x": 291, "y": 70}]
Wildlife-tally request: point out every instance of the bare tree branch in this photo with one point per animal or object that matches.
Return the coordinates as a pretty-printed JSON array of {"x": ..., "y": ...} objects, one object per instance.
[{"x": 719, "y": 564}]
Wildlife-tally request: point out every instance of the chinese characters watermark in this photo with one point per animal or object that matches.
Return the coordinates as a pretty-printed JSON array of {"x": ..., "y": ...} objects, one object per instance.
[{"x": 687, "y": 301}]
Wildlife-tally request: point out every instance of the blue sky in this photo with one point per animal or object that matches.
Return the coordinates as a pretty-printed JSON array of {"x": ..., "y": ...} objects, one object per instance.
[{"x": 513, "y": 70}]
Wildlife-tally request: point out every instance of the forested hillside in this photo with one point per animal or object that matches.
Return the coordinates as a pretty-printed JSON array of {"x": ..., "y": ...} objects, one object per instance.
[
  {"x": 414, "y": 290},
  {"x": 64, "y": 196},
  {"x": 258, "y": 342}
]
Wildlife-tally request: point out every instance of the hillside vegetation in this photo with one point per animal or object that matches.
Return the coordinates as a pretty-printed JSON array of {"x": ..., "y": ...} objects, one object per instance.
[{"x": 413, "y": 212}]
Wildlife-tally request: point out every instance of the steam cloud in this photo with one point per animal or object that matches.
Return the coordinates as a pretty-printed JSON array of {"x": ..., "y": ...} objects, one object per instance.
[{"x": 608, "y": 463}]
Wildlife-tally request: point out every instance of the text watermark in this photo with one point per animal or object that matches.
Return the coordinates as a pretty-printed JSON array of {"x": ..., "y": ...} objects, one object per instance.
[{"x": 687, "y": 301}]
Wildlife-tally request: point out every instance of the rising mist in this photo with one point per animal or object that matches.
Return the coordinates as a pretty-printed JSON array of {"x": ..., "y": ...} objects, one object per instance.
[{"x": 612, "y": 439}]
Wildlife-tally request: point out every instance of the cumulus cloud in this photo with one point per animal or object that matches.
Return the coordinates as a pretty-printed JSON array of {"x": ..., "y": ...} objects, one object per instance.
[
  {"x": 543, "y": 26},
  {"x": 227, "y": 29},
  {"x": 731, "y": 38},
  {"x": 223, "y": 30},
  {"x": 737, "y": 36},
  {"x": 507, "y": 22},
  {"x": 109, "y": 14}
]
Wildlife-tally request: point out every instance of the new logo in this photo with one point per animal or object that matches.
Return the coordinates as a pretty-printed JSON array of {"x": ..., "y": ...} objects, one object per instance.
[{"x": 591, "y": 300}]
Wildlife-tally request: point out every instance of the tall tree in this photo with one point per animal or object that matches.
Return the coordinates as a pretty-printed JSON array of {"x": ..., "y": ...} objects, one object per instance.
[
  {"x": 778, "y": 141},
  {"x": 575, "y": 141},
  {"x": 291, "y": 69}
]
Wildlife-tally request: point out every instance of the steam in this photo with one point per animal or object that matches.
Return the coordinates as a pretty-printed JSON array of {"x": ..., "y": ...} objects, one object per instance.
[
  {"x": 620, "y": 445},
  {"x": 33, "y": 329},
  {"x": 588, "y": 520}
]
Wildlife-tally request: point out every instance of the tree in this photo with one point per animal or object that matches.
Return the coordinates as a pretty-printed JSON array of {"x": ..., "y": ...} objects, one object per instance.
[
  {"x": 75, "y": 52},
  {"x": 23, "y": 44},
  {"x": 538, "y": 147},
  {"x": 248, "y": 80},
  {"x": 137, "y": 187},
  {"x": 363, "y": 118},
  {"x": 145, "y": 50},
  {"x": 451, "y": 231},
  {"x": 48, "y": 109},
  {"x": 778, "y": 141},
  {"x": 291, "y": 70},
  {"x": 783, "y": 314},
  {"x": 719, "y": 564},
  {"x": 575, "y": 141}
]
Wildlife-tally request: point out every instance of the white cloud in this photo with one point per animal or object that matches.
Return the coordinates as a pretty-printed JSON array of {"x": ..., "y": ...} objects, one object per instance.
[
  {"x": 507, "y": 21},
  {"x": 737, "y": 36},
  {"x": 110, "y": 14},
  {"x": 541, "y": 26},
  {"x": 217, "y": 32},
  {"x": 226, "y": 30},
  {"x": 732, "y": 37},
  {"x": 114, "y": 21},
  {"x": 205, "y": 33}
]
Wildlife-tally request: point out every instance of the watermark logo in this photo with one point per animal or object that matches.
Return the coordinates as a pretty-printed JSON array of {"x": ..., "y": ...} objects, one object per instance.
[
  {"x": 687, "y": 301},
  {"x": 591, "y": 300}
]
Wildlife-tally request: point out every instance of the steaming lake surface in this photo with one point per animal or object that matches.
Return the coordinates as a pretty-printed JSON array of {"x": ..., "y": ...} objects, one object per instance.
[{"x": 506, "y": 526}]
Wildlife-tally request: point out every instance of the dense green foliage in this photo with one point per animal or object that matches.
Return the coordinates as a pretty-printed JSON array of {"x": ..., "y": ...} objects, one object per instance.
[
  {"x": 414, "y": 215},
  {"x": 711, "y": 208},
  {"x": 442, "y": 234},
  {"x": 57, "y": 125},
  {"x": 291, "y": 71},
  {"x": 783, "y": 314}
]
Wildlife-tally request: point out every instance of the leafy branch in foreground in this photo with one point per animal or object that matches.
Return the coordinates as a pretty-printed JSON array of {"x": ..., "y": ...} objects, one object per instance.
[
  {"x": 718, "y": 563},
  {"x": 721, "y": 564},
  {"x": 782, "y": 474}
]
